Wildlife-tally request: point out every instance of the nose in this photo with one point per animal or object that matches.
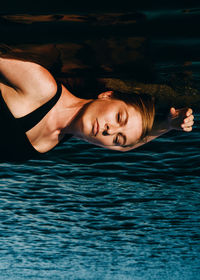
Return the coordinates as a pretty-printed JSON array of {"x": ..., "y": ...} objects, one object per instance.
[{"x": 110, "y": 129}]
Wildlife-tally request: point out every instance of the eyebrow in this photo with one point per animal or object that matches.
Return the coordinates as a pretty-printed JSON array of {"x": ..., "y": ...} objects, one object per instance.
[{"x": 124, "y": 136}]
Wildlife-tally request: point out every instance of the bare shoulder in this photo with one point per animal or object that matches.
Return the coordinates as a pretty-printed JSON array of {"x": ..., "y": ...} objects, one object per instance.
[
  {"x": 43, "y": 83},
  {"x": 28, "y": 78}
]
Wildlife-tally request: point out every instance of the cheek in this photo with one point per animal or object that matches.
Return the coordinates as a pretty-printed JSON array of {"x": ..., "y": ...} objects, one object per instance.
[
  {"x": 105, "y": 140},
  {"x": 105, "y": 110},
  {"x": 109, "y": 114}
]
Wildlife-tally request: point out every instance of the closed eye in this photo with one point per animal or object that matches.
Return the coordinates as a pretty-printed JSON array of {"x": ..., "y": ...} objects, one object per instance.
[
  {"x": 120, "y": 140},
  {"x": 116, "y": 140},
  {"x": 122, "y": 118},
  {"x": 118, "y": 117}
]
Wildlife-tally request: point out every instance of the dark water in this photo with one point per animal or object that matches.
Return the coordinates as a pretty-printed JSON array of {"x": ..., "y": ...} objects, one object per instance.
[{"x": 87, "y": 213}]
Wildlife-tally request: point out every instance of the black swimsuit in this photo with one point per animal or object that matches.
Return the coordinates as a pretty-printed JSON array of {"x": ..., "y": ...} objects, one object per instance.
[{"x": 14, "y": 144}]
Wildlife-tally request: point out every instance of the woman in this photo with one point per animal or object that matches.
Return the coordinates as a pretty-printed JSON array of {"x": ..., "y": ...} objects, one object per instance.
[{"x": 36, "y": 114}]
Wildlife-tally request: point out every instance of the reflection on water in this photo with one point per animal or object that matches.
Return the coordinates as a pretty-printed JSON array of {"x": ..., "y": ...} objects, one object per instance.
[{"x": 87, "y": 213}]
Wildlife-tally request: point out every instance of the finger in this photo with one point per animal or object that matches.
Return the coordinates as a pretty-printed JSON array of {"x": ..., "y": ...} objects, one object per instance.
[
  {"x": 173, "y": 111},
  {"x": 187, "y": 129},
  {"x": 188, "y": 119},
  {"x": 189, "y": 112},
  {"x": 188, "y": 124}
]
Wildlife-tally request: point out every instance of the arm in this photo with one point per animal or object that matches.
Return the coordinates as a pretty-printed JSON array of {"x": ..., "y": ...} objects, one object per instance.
[
  {"x": 26, "y": 77},
  {"x": 178, "y": 119}
]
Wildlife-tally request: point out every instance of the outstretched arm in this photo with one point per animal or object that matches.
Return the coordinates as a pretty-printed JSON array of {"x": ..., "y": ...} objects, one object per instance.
[{"x": 178, "y": 119}]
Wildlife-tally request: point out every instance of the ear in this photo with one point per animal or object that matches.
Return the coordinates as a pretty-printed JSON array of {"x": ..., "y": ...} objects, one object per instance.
[{"x": 105, "y": 95}]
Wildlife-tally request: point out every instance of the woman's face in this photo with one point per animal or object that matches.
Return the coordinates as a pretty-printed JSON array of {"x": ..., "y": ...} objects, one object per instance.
[{"x": 109, "y": 123}]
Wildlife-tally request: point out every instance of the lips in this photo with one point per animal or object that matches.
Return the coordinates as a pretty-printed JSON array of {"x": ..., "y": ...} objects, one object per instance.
[{"x": 96, "y": 128}]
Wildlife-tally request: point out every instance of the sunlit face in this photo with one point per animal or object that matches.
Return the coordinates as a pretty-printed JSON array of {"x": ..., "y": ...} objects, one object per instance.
[{"x": 110, "y": 123}]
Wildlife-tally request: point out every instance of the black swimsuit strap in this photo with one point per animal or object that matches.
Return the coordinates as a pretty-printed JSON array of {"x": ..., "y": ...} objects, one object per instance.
[{"x": 30, "y": 120}]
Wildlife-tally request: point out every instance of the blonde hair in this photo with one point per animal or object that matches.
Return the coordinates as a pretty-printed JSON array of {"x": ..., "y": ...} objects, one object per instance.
[{"x": 144, "y": 104}]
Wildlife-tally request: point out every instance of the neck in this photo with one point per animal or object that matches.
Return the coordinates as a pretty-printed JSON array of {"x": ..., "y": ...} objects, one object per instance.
[{"x": 69, "y": 111}]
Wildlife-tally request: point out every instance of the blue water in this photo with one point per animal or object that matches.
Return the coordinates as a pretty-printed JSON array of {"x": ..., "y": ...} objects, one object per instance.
[{"x": 87, "y": 213}]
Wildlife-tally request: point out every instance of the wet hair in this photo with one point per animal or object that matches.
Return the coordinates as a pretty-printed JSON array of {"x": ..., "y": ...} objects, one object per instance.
[{"x": 144, "y": 104}]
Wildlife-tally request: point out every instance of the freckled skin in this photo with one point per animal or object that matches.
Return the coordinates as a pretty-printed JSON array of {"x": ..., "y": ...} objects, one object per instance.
[{"x": 105, "y": 111}]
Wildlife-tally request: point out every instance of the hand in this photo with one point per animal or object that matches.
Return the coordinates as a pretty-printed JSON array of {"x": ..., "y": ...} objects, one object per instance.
[{"x": 181, "y": 119}]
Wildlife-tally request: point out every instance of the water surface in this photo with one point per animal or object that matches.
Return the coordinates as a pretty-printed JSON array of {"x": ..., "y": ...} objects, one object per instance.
[{"x": 87, "y": 213}]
